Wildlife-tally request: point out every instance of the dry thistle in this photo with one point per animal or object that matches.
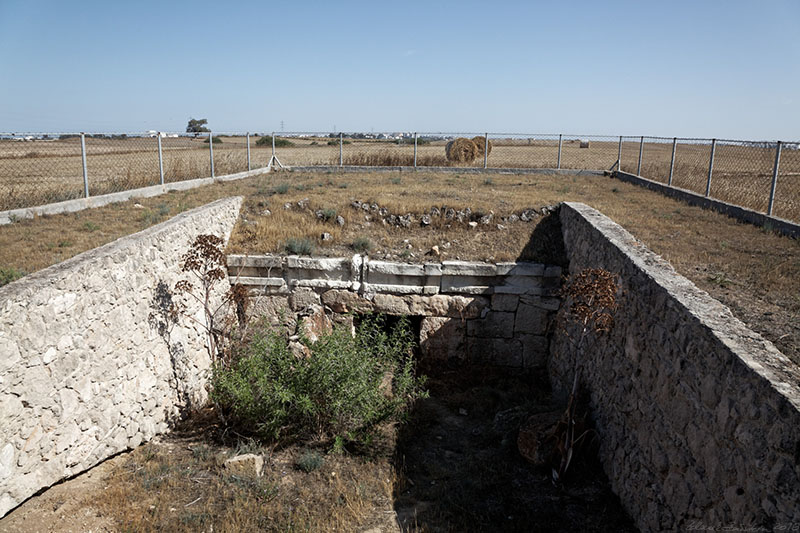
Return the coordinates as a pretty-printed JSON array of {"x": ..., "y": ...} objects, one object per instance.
[
  {"x": 592, "y": 295},
  {"x": 592, "y": 298}
]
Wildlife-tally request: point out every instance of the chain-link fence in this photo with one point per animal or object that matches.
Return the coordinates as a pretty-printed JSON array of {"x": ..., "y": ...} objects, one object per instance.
[{"x": 37, "y": 168}]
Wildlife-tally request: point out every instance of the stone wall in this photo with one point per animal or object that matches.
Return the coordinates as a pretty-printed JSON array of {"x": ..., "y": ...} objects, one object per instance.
[
  {"x": 480, "y": 312},
  {"x": 89, "y": 363},
  {"x": 699, "y": 417}
]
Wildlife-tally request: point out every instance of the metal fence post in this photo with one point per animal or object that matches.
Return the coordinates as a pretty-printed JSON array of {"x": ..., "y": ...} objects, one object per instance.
[
  {"x": 710, "y": 166},
  {"x": 341, "y": 149},
  {"x": 85, "y": 173},
  {"x": 619, "y": 155},
  {"x": 641, "y": 149},
  {"x": 672, "y": 161},
  {"x": 160, "y": 159},
  {"x": 415, "y": 149},
  {"x": 774, "y": 178},
  {"x": 485, "y": 150},
  {"x": 273, "y": 145},
  {"x": 248, "y": 151},
  {"x": 211, "y": 151},
  {"x": 558, "y": 164}
]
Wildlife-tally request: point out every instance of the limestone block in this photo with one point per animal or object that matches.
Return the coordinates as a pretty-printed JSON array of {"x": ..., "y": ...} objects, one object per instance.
[
  {"x": 531, "y": 319},
  {"x": 303, "y": 297},
  {"x": 551, "y": 304},
  {"x": 465, "y": 268},
  {"x": 535, "y": 350},
  {"x": 248, "y": 464},
  {"x": 315, "y": 324},
  {"x": 342, "y": 301},
  {"x": 504, "y": 302},
  {"x": 254, "y": 261},
  {"x": 401, "y": 288},
  {"x": 467, "y": 284},
  {"x": 496, "y": 324},
  {"x": 391, "y": 304},
  {"x": 521, "y": 269},
  {"x": 442, "y": 338}
]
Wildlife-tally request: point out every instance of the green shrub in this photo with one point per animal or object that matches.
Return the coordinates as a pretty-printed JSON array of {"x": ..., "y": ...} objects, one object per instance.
[
  {"x": 310, "y": 461},
  {"x": 299, "y": 246},
  {"x": 217, "y": 140},
  {"x": 341, "y": 392},
  {"x": 328, "y": 214},
  {"x": 336, "y": 142},
  {"x": 9, "y": 274},
  {"x": 281, "y": 188},
  {"x": 279, "y": 142},
  {"x": 362, "y": 245}
]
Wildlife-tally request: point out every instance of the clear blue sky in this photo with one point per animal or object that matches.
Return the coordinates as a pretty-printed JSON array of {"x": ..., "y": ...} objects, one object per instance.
[{"x": 726, "y": 69}]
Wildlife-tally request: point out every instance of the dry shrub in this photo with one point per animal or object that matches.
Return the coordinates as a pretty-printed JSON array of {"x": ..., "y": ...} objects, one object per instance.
[
  {"x": 461, "y": 150},
  {"x": 481, "y": 142}
]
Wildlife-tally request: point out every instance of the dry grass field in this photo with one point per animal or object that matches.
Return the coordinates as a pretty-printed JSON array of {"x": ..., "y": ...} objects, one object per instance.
[
  {"x": 44, "y": 171},
  {"x": 752, "y": 270}
]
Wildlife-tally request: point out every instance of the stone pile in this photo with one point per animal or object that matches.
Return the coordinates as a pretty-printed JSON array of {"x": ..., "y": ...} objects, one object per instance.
[{"x": 448, "y": 214}]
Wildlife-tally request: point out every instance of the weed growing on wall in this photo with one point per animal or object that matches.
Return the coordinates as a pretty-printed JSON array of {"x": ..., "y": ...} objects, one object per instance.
[
  {"x": 590, "y": 299},
  {"x": 207, "y": 264},
  {"x": 341, "y": 392}
]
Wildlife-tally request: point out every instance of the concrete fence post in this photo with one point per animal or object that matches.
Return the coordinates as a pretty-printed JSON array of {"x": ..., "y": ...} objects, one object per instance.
[
  {"x": 85, "y": 172},
  {"x": 485, "y": 150},
  {"x": 774, "y": 178},
  {"x": 211, "y": 151},
  {"x": 160, "y": 160},
  {"x": 619, "y": 155},
  {"x": 415, "y": 149},
  {"x": 341, "y": 149},
  {"x": 273, "y": 144},
  {"x": 558, "y": 163},
  {"x": 248, "y": 151},
  {"x": 710, "y": 167},
  {"x": 672, "y": 161},
  {"x": 641, "y": 149}
]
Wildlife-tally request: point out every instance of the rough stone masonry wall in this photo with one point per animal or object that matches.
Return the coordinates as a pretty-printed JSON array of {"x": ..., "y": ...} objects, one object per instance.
[
  {"x": 481, "y": 312},
  {"x": 699, "y": 417},
  {"x": 85, "y": 372}
]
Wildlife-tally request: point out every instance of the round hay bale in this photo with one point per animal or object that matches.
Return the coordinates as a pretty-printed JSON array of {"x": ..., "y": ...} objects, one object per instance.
[
  {"x": 480, "y": 142},
  {"x": 584, "y": 143},
  {"x": 461, "y": 150}
]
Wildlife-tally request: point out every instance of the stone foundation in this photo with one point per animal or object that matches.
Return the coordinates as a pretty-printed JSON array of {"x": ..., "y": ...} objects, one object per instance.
[{"x": 478, "y": 312}]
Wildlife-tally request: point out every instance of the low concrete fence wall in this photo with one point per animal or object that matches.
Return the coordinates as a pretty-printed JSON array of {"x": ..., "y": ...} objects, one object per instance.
[
  {"x": 481, "y": 312},
  {"x": 79, "y": 204},
  {"x": 699, "y": 417},
  {"x": 88, "y": 368},
  {"x": 786, "y": 227}
]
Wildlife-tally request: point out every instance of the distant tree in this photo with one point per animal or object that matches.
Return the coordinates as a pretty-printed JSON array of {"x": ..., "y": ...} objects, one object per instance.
[{"x": 197, "y": 125}]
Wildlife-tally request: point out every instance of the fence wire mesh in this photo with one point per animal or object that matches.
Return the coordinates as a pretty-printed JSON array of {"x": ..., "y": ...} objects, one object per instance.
[
  {"x": 41, "y": 168},
  {"x": 787, "y": 187},
  {"x": 656, "y": 158},
  {"x": 742, "y": 173},
  {"x": 186, "y": 156},
  {"x": 691, "y": 164},
  {"x": 117, "y": 162}
]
